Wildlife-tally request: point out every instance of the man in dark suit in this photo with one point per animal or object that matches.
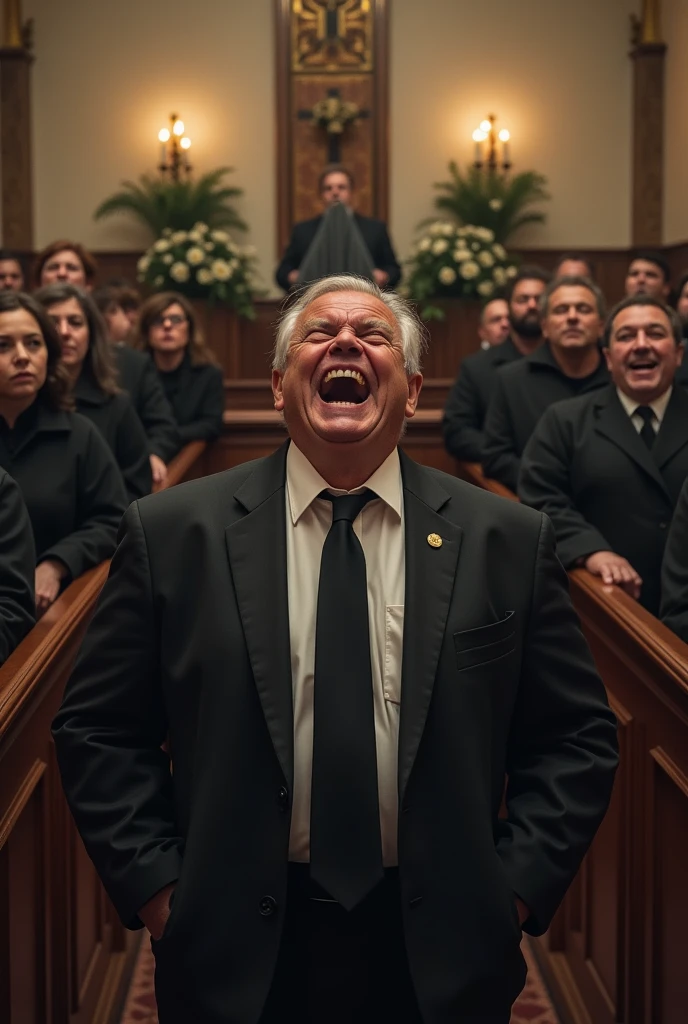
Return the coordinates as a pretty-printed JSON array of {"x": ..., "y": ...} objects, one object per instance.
[
  {"x": 649, "y": 274},
  {"x": 469, "y": 398},
  {"x": 682, "y": 310},
  {"x": 342, "y": 704},
  {"x": 608, "y": 467},
  {"x": 569, "y": 363},
  {"x": 17, "y": 567},
  {"x": 674, "y": 608},
  {"x": 336, "y": 185}
]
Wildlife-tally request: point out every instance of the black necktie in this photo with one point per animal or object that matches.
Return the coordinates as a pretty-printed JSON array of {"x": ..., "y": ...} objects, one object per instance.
[
  {"x": 346, "y": 846},
  {"x": 647, "y": 431}
]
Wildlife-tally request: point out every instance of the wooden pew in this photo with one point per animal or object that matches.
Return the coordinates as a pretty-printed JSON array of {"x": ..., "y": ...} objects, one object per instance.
[
  {"x": 64, "y": 957},
  {"x": 616, "y": 951}
]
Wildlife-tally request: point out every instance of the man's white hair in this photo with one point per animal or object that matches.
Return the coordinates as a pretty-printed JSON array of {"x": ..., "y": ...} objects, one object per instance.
[{"x": 411, "y": 330}]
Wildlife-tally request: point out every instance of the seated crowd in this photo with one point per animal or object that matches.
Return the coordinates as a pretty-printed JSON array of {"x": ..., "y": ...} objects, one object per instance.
[{"x": 98, "y": 392}]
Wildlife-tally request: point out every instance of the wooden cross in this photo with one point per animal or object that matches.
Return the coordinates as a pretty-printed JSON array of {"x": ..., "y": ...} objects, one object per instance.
[{"x": 334, "y": 155}]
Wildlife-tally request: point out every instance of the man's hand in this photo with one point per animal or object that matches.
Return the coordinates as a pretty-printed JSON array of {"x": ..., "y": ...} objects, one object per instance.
[
  {"x": 293, "y": 276},
  {"x": 380, "y": 277},
  {"x": 49, "y": 576},
  {"x": 615, "y": 570},
  {"x": 158, "y": 469},
  {"x": 156, "y": 911}
]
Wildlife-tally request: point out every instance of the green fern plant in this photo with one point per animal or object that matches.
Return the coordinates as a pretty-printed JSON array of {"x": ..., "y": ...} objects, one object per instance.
[
  {"x": 177, "y": 205},
  {"x": 494, "y": 200}
]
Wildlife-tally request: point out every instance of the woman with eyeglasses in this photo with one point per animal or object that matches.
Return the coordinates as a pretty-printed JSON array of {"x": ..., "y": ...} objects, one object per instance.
[
  {"x": 191, "y": 378},
  {"x": 87, "y": 356},
  {"x": 67, "y": 475}
]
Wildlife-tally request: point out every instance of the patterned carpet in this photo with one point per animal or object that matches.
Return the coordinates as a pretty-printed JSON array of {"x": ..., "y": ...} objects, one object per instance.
[{"x": 532, "y": 1007}]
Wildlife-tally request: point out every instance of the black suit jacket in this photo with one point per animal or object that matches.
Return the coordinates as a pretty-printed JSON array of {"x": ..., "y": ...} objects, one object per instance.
[
  {"x": 374, "y": 234},
  {"x": 587, "y": 468},
  {"x": 674, "y": 608},
  {"x": 139, "y": 378},
  {"x": 522, "y": 392},
  {"x": 496, "y": 679},
  {"x": 17, "y": 567},
  {"x": 469, "y": 398}
]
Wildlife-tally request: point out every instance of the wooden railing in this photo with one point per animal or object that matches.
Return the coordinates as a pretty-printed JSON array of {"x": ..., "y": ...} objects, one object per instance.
[
  {"x": 616, "y": 951},
  {"x": 64, "y": 957}
]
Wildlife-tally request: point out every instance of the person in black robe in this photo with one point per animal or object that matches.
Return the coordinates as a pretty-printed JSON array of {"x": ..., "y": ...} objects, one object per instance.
[
  {"x": 68, "y": 477},
  {"x": 86, "y": 355},
  {"x": 336, "y": 185},
  {"x": 674, "y": 606},
  {"x": 192, "y": 381},
  {"x": 17, "y": 567}
]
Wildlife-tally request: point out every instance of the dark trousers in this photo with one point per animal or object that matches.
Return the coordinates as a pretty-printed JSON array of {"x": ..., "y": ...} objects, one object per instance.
[{"x": 339, "y": 967}]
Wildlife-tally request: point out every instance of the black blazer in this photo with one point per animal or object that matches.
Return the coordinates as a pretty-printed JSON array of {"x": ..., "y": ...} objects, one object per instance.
[
  {"x": 674, "y": 608},
  {"x": 17, "y": 568},
  {"x": 115, "y": 418},
  {"x": 70, "y": 483},
  {"x": 196, "y": 395},
  {"x": 587, "y": 468},
  {"x": 469, "y": 398},
  {"x": 522, "y": 393},
  {"x": 374, "y": 234},
  {"x": 139, "y": 378},
  {"x": 191, "y": 639}
]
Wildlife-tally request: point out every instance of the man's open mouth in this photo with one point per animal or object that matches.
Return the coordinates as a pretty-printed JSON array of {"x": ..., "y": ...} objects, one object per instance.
[
  {"x": 344, "y": 387},
  {"x": 643, "y": 364}
]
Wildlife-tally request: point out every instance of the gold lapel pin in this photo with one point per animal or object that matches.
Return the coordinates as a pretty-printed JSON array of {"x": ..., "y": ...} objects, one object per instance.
[{"x": 434, "y": 540}]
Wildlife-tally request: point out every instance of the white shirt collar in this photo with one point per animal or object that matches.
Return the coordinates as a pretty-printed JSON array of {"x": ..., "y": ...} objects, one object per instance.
[
  {"x": 658, "y": 406},
  {"x": 304, "y": 483}
]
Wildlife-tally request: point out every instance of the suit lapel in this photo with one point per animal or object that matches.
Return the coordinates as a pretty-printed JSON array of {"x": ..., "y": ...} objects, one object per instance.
[
  {"x": 430, "y": 574},
  {"x": 615, "y": 424},
  {"x": 673, "y": 432},
  {"x": 257, "y": 549}
]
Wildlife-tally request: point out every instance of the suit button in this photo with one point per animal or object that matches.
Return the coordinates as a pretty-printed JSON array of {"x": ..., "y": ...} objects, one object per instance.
[
  {"x": 267, "y": 906},
  {"x": 283, "y": 798}
]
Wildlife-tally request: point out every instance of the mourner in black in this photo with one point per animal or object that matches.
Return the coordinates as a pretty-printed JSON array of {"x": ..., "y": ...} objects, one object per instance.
[
  {"x": 336, "y": 186},
  {"x": 574, "y": 264},
  {"x": 68, "y": 477},
  {"x": 192, "y": 381},
  {"x": 674, "y": 607},
  {"x": 608, "y": 467},
  {"x": 88, "y": 359},
  {"x": 138, "y": 377},
  {"x": 649, "y": 274},
  {"x": 568, "y": 364},
  {"x": 682, "y": 310},
  {"x": 469, "y": 398},
  {"x": 12, "y": 274},
  {"x": 17, "y": 560},
  {"x": 209, "y": 632}
]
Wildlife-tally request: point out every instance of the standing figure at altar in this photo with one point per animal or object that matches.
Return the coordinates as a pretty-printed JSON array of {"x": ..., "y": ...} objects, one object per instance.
[{"x": 336, "y": 185}]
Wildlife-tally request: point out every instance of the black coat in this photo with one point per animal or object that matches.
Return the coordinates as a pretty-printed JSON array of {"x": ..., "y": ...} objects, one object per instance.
[
  {"x": 139, "y": 378},
  {"x": 469, "y": 399},
  {"x": 71, "y": 485},
  {"x": 191, "y": 639},
  {"x": 374, "y": 234},
  {"x": 196, "y": 395},
  {"x": 522, "y": 393},
  {"x": 115, "y": 418},
  {"x": 17, "y": 567},
  {"x": 587, "y": 468},
  {"x": 674, "y": 607}
]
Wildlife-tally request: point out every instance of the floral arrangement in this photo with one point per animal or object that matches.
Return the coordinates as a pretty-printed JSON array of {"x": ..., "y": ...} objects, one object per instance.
[
  {"x": 201, "y": 263},
  {"x": 460, "y": 261},
  {"x": 333, "y": 114}
]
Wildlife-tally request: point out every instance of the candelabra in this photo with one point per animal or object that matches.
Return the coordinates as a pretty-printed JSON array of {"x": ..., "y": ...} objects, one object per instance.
[
  {"x": 486, "y": 140},
  {"x": 174, "y": 149}
]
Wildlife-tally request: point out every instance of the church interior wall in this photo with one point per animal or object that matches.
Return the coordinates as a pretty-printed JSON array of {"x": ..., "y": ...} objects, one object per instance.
[{"x": 675, "y": 31}]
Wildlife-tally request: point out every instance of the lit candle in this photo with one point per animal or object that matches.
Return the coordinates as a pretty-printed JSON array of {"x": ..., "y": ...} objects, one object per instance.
[
  {"x": 164, "y": 137},
  {"x": 479, "y": 137},
  {"x": 504, "y": 136}
]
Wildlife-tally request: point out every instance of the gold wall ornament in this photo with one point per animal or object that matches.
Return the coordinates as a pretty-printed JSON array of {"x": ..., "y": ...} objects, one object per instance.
[{"x": 331, "y": 35}]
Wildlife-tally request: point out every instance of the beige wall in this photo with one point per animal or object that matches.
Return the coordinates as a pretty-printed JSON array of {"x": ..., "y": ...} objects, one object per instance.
[{"x": 675, "y": 31}]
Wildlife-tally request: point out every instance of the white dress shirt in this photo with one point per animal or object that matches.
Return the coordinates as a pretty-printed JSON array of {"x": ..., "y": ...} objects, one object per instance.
[
  {"x": 658, "y": 408},
  {"x": 380, "y": 529}
]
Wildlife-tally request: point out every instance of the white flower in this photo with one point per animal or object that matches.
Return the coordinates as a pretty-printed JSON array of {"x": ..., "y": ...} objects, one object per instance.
[
  {"x": 460, "y": 255},
  {"x": 168, "y": 258},
  {"x": 448, "y": 229},
  {"x": 200, "y": 227},
  {"x": 143, "y": 264},
  {"x": 159, "y": 281},
  {"x": 195, "y": 255},
  {"x": 511, "y": 271},
  {"x": 179, "y": 272},
  {"x": 469, "y": 269},
  {"x": 499, "y": 251},
  {"x": 162, "y": 245},
  {"x": 495, "y": 204},
  {"x": 209, "y": 246},
  {"x": 204, "y": 276},
  {"x": 485, "y": 258},
  {"x": 436, "y": 228},
  {"x": 219, "y": 236},
  {"x": 499, "y": 276},
  {"x": 462, "y": 232},
  {"x": 178, "y": 236},
  {"x": 485, "y": 288},
  {"x": 487, "y": 234},
  {"x": 440, "y": 246},
  {"x": 424, "y": 244},
  {"x": 195, "y": 236},
  {"x": 447, "y": 275},
  {"x": 221, "y": 270}
]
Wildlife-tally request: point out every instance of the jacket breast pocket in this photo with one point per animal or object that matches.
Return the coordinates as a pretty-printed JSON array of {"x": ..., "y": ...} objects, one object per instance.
[{"x": 484, "y": 644}]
